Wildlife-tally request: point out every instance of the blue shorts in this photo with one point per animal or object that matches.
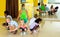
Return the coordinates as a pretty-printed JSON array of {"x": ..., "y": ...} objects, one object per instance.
[{"x": 25, "y": 20}]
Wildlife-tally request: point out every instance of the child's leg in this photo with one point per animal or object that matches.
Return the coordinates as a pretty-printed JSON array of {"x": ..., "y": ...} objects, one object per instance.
[
  {"x": 32, "y": 30},
  {"x": 22, "y": 30},
  {"x": 12, "y": 28},
  {"x": 26, "y": 29},
  {"x": 14, "y": 32},
  {"x": 37, "y": 26}
]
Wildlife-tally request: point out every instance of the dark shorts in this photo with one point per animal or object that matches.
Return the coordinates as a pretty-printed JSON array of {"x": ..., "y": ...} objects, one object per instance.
[
  {"x": 34, "y": 28},
  {"x": 31, "y": 29},
  {"x": 25, "y": 20},
  {"x": 23, "y": 29}
]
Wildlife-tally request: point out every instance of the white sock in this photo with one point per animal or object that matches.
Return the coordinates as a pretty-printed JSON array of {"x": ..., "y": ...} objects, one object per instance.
[{"x": 35, "y": 31}]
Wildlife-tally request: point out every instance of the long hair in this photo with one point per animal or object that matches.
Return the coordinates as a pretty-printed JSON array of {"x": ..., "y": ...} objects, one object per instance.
[{"x": 38, "y": 20}]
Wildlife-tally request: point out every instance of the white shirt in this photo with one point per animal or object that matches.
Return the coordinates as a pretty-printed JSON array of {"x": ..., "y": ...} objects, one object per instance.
[
  {"x": 32, "y": 20},
  {"x": 9, "y": 17},
  {"x": 33, "y": 25},
  {"x": 13, "y": 23}
]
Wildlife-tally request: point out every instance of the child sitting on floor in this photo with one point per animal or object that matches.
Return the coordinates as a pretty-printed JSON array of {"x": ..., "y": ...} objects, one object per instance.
[
  {"x": 13, "y": 25},
  {"x": 22, "y": 26}
]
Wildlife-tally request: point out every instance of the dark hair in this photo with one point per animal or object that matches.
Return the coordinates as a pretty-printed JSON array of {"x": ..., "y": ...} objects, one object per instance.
[
  {"x": 38, "y": 20},
  {"x": 45, "y": 5},
  {"x": 5, "y": 24},
  {"x": 51, "y": 6},
  {"x": 38, "y": 4},
  {"x": 35, "y": 15},
  {"x": 23, "y": 5},
  {"x": 56, "y": 7},
  {"x": 7, "y": 13},
  {"x": 37, "y": 9}
]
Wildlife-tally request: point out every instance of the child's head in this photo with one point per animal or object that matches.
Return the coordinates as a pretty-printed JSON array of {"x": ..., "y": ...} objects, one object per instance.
[
  {"x": 23, "y": 5},
  {"x": 38, "y": 4},
  {"x": 56, "y": 7},
  {"x": 37, "y": 9},
  {"x": 21, "y": 22},
  {"x": 38, "y": 20},
  {"x": 5, "y": 24},
  {"x": 51, "y": 6},
  {"x": 35, "y": 16},
  {"x": 8, "y": 20},
  {"x": 6, "y": 13},
  {"x": 45, "y": 5}
]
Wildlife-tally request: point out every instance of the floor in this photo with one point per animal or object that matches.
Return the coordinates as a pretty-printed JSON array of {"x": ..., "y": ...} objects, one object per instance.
[{"x": 50, "y": 27}]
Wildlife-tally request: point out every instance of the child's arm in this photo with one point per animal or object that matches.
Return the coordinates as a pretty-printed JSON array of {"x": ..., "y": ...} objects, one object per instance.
[
  {"x": 17, "y": 27},
  {"x": 19, "y": 15},
  {"x": 27, "y": 13}
]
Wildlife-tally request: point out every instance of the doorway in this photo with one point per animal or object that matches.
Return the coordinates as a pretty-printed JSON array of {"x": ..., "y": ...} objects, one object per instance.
[{"x": 12, "y": 7}]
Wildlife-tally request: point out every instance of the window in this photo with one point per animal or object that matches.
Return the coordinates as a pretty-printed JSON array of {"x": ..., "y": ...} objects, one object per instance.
[
  {"x": 54, "y": 1},
  {"x": 23, "y": 1}
]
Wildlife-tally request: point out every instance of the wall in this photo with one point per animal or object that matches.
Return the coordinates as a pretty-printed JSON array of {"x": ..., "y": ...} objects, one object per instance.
[
  {"x": 30, "y": 4},
  {"x": 2, "y": 7},
  {"x": 45, "y": 1}
]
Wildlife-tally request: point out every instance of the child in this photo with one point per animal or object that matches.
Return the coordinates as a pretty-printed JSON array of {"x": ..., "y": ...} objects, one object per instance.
[
  {"x": 13, "y": 25},
  {"x": 42, "y": 7},
  {"x": 22, "y": 26},
  {"x": 46, "y": 8},
  {"x": 6, "y": 13},
  {"x": 23, "y": 14},
  {"x": 40, "y": 12},
  {"x": 35, "y": 25},
  {"x": 38, "y": 5},
  {"x": 51, "y": 10}
]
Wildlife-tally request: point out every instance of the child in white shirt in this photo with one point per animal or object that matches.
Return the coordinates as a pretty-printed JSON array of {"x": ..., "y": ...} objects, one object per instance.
[
  {"x": 13, "y": 25},
  {"x": 35, "y": 25}
]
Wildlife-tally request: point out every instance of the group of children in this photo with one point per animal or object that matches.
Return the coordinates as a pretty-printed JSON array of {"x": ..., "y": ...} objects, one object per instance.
[
  {"x": 13, "y": 26},
  {"x": 43, "y": 9}
]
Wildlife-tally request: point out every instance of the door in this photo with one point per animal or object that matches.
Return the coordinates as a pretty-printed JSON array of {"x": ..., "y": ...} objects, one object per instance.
[{"x": 12, "y": 7}]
